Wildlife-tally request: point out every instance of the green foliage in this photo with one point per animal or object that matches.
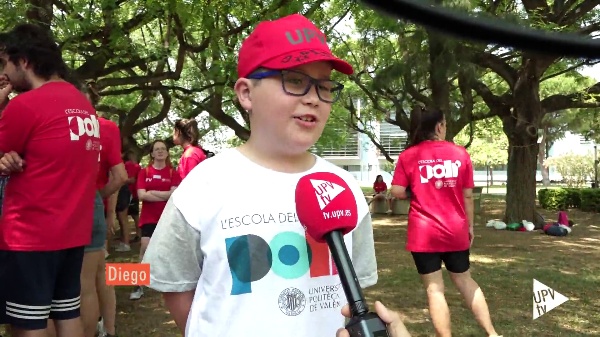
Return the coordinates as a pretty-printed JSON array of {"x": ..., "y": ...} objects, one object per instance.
[
  {"x": 555, "y": 199},
  {"x": 574, "y": 168},
  {"x": 586, "y": 199},
  {"x": 489, "y": 145},
  {"x": 590, "y": 200},
  {"x": 582, "y": 121}
]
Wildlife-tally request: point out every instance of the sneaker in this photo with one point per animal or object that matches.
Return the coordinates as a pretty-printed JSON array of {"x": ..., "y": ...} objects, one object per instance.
[
  {"x": 107, "y": 335},
  {"x": 137, "y": 293},
  {"x": 100, "y": 331},
  {"x": 123, "y": 247}
]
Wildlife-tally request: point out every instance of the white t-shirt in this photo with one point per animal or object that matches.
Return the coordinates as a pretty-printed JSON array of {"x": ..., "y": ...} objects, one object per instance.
[{"x": 230, "y": 232}]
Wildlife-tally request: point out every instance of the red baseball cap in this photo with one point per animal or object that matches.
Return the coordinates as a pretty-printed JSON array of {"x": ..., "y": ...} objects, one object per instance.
[{"x": 286, "y": 43}]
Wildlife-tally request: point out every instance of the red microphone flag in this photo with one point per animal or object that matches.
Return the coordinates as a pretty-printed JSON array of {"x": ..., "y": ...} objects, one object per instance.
[{"x": 325, "y": 203}]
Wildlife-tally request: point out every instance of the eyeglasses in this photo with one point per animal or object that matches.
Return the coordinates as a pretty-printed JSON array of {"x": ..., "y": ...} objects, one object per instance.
[{"x": 299, "y": 84}]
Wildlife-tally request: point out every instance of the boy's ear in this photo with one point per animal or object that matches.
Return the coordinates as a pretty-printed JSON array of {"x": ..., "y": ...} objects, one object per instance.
[{"x": 242, "y": 88}]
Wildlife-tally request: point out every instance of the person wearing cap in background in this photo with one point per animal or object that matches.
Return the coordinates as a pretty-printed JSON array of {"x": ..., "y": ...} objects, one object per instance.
[{"x": 227, "y": 263}]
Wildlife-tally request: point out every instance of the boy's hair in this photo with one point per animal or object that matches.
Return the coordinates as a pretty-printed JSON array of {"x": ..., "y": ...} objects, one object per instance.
[
  {"x": 36, "y": 45},
  {"x": 286, "y": 43}
]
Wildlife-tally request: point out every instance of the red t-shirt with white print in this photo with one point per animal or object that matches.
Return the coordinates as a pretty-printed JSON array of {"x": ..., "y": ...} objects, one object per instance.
[
  {"x": 50, "y": 205},
  {"x": 437, "y": 172},
  {"x": 152, "y": 179}
]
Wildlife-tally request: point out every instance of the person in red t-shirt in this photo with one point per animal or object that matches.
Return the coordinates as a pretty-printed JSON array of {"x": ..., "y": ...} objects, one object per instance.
[
  {"x": 155, "y": 183},
  {"x": 133, "y": 169},
  {"x": 50, "y": 144},
  {"x": 440, "y": 220},
  {"x": 186, "y": 134},
  {"x": 111, "y": 176},
  {"x": 127, "y": 201},
  {"x": 380, "y": 188}
]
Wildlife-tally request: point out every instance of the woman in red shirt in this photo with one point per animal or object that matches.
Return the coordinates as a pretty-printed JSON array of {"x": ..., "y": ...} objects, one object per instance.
[
  {"x": 380, "y": 188},
  {"x": 440, "y": 220},
  {"x": 155, "y": 183},
  {"x": 186, "y": 135}
]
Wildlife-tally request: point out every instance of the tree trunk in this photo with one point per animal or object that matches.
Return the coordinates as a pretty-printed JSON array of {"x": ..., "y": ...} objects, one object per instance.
[
  {"x": 541, "y": 159},
  {"x": 520, "y": 185},
  {"x": 521, "y": 128}
]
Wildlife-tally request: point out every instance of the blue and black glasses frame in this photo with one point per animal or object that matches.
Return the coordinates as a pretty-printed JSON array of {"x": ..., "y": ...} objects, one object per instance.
[{"x": 298, "y": 84}]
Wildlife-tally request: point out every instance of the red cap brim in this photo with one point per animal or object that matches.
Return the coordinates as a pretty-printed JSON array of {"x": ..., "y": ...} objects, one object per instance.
[{"x": 301, "y": 57}]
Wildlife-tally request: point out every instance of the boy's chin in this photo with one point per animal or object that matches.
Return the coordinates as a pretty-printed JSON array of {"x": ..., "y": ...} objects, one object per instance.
[{"x": 305, "y": 144}]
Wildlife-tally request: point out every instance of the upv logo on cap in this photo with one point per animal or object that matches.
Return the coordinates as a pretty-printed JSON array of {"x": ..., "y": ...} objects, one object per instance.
[{"x": 286, "y": 43}]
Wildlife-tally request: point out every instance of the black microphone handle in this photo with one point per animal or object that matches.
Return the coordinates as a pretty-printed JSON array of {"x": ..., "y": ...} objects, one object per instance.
[{"x": 352, "y": 289}]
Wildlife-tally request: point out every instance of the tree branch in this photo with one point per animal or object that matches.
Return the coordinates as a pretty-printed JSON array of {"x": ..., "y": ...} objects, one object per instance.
[
  {"x": 534, "y": 7},
  {"x": 592, "y": 28},
  {"x": 213, "y": 106},
  {"x": 159, "y": 87},
  {"x": 164, "y": 112},
  {"x": 412, "y": 90},
  {"x": 353, "y": 124},
  {"x": 486, "y": 94},
  {"x": 569, "y": 69},
  {"x": 495, "y": 64},
  {"x": 579, "y": 11},
  {"x": 589, "y": 98}
]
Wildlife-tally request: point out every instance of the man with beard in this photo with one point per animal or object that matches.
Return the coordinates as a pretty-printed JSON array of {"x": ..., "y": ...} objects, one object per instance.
[{"x": 49, "y": 203}]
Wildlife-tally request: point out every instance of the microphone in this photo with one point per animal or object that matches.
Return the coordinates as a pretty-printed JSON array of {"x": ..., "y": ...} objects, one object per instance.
[{"x": 327, "y": 209}]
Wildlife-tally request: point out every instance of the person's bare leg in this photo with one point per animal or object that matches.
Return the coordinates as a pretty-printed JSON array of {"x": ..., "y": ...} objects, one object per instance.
[
  {"x": 143, "y": 246},
  {"x": 136, "y": 221},
  {"x": 138, "y": 291},
  {"x": 89, "y": 296},
  {"x": 473, "y": 296},
  {"x": 69, "y": 327},
  {"x": 107, "y": 299},
  {"x": 438, "y": 308},
  {"x": 51, "y": 330},
  {"x": 122, "y": 217}
]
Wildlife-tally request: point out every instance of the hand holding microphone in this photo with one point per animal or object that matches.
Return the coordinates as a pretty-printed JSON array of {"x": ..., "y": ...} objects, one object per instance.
[
  {"x": 396, "y": 327},
  {"x": 327, "y": 209}
]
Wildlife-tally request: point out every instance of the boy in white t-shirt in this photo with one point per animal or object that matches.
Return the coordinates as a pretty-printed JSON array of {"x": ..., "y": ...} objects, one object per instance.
[{"x": 229, "y": 253}]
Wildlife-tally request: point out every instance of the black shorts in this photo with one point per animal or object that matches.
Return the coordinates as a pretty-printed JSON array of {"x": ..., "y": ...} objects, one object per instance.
[
  {"x": 148, "y": 230},
  {"x": 134, "y": 207},
  {"x": 455, "y": 262},
  {"x": 39, "y": 285},
  {"x": 123, "y": 199}
]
